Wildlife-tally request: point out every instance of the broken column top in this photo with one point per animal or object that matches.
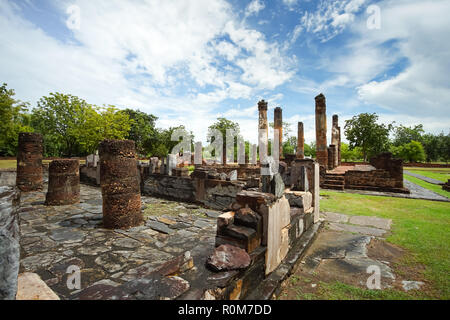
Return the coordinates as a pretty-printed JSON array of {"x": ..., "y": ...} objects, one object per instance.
[
  {"x": 335, "y": 119},
  {"x": 64, "y": 165},
  {"x": 30, "y": 137},
  {"x": 320, "y": 97},
  {"x": 278, "y": 110},
  {"x": 262, "y": 105},
  {"x": 124, "y": 148}
]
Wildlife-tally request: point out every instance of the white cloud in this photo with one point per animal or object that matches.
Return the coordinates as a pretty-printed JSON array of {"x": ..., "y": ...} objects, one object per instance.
[
  {"x": 330, "y": 18},
  {"x": 254, "y": 8},
  {"x": 164, "y": 57}
]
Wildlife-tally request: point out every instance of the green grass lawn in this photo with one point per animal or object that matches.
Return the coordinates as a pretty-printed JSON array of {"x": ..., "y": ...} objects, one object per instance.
[
  {"x": 432, "y": 187},
  {"x": 420, "y": 226},
  {"x": 441, "y": 174},
  {"x": 8, "y": 164}
]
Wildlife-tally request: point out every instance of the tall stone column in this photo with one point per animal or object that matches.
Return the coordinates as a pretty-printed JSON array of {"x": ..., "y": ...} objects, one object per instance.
[
  {"x": 120, "y": 184},
  {"x": 278, "y": 125},
  {"x": 335, "y": 139},
  {"x": 29, "y": 162},
  {"x": 300, "y": 141},
  {"x": 63, "y": 182},
  {"x": 321, "y": 131},
  {"x": 263, "y": 130}
]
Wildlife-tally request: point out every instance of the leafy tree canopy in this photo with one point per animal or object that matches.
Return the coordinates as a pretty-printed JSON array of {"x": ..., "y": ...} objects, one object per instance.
[{"x": 364, "y": 131}]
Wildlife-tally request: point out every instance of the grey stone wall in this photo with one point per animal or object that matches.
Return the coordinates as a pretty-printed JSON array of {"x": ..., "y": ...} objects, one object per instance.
[{"x": 9, "y": 242}]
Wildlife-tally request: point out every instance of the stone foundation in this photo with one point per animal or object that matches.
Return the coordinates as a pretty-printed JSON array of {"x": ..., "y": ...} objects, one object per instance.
[
  {"x": 29, "y": 162},
  {"x": 120, "y": 184},
  {"x": 63, "y": 183}
]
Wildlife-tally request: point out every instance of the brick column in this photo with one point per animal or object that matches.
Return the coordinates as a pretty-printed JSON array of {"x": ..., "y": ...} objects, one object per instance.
[
  {"x": 29, "y": 162},
  {"x": 335, "y": 139},
  {"x": 120, "y": 184},
  {"x": 300, "y": 141},
  {"x": 278, "y": 125},
  {"x": 263, "y": 130},
  {"x": 321, "y": 131},
  {"x": 63, "y": 182}
]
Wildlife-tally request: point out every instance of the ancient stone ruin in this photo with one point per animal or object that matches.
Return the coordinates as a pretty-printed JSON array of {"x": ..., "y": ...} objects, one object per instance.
[
  {"x": 63, "y": 182},
  {"x": 120, "y": 184},
  {"x": 384, "y": 174},
  {"x": 29, "y": 162},
  {"x": 258, "y": 216}
]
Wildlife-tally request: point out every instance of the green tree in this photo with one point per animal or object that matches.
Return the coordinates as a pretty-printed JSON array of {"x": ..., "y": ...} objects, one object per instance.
[
  {"x": 59, "y": 117},
  {"x": 310, "y": 149},
  {"x": 142, "y": 129},
  {"x": 411, "y": 152},
  {"x": 71, "y": 126},
  {"x": 432, "y": 146},
  {"x": 404, "y": 135},
  {"x": 364, "y": 131},
  {"x": 101, "y": 123},
  {"x": 14, "y": 119}
]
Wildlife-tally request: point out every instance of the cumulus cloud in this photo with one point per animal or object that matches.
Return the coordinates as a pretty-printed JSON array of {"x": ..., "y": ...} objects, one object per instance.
[
  {"x": 329, "y": 19},
  {"x": 164, "y": 57},
  {"x": 254, "y": 8}
]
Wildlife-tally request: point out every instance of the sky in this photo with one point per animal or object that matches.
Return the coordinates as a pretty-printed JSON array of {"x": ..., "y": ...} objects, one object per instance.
[{"x": 190, "y": 62}]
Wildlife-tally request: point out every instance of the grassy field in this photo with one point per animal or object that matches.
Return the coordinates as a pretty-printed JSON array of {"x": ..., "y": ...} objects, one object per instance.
[
  {"x": 8, "y": 164},
  {"x": 430, "y": 186},
  {"x": 422, "y": 227}
]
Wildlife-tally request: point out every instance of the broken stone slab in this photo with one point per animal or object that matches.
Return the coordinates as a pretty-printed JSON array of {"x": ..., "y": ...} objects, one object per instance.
[
  {"x": 177, "y": 265},
  {"x": 225, "y": 219},
  {"x": 375, "y": 222},
  {"x": 411, "y": 285},
  {"x": 228, "y": 258},
  {"x": 277, "y": 185},
  {"x": 335, "y": 217},
  {"x": 158, "y": 226},
  {"x": 278, "y": 217},
  {"x": 357, "y": 229},
  {"x": 213, "y": 214},
  {"x": 232, "y": 176},
  {"x": 67, "y": 235},
  {"x": 248, "y": 218},
  {"x": 243, "y": 237},
  {"x": 299, "y": 199},
  {"x": 32, "y": 287}
]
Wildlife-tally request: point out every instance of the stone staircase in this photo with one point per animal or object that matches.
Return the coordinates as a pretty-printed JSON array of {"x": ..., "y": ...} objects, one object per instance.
[{"x": 335, "y": 181}]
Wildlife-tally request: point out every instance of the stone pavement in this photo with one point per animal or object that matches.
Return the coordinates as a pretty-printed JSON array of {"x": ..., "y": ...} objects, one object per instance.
[
  {"x": 54, "y": 238},
  {"x": 417, "y": 192},
  {"x": 340, "y": 250},
  {"x": 421, "y": 177},
  {"x": 349, "y": 249}
]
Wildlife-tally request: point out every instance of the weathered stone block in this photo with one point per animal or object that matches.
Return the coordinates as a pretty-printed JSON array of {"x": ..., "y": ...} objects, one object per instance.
[
  {"x": 9, "y": 242},
  {"x": 228, "y": 257},
  {"x": 248, "y": 238}
]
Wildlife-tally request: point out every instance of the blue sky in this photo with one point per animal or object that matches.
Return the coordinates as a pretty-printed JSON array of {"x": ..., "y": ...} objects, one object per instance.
[{"x": 189, "y": 62}]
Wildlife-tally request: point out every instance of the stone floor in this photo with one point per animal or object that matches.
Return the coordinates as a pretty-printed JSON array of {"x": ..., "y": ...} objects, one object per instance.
[
  {"x": 54, "y": 238},
  {"x": 421, "y": 177},
  {"x": 343, "y": 251}
]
